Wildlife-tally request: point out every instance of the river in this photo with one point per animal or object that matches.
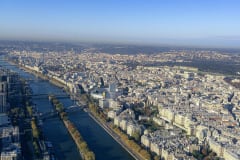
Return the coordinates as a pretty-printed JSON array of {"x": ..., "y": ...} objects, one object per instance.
[{"x": 99, "y": 141}]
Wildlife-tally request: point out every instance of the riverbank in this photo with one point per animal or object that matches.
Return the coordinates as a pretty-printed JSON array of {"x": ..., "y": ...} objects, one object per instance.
[
  {"x": 135, "y": 150},
  {"x": 84, "y": 151},
  {"x": 38, "y": 74},
  {"x": 44, "y": 77},
  {"x": 54, "y": 138},
  {"x": 114, "y": 136},
  {"x": 33, "y": 142}
]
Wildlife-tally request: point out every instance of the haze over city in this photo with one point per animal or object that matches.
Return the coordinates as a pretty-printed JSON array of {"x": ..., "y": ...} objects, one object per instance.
[
  {"x": 201, "y": 23},
  {"x": 119, "y": 80}
]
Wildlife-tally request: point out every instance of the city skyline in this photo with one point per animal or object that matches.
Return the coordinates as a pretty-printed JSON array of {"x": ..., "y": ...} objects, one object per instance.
[
  {"x": 175, "y": 104},
  {"x": 180, "y": 23}
]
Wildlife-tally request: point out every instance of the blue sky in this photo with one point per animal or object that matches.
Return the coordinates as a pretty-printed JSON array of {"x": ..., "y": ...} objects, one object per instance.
[{"x": 171, "y": 22}]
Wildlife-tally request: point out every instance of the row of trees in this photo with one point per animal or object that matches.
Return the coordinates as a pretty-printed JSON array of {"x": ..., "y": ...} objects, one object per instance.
[
  {"x": 33, "y": 138},
  {"x": 35, "y": 130},
  {"x": 94, "y": 109},
  {"x": 20, "y": 115},
  {"x": 86, "y": 153},
  {"x": 36, "y": 133},
  {"x": 132, "y": 144},
  {"x": 84, "y": 150}
]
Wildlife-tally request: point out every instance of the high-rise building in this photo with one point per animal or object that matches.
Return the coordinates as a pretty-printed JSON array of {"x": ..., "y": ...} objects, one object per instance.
[
  {"x": 3, "y": 94},
  {"x": 8, "y": 86}
]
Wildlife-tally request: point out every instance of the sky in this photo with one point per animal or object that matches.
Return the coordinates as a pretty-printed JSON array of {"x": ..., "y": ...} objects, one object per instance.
[{"x": 208, "y": 23}]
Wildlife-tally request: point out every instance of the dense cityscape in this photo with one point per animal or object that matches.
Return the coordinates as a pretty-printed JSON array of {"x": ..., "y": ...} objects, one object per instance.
[
  {"x": 152, "y": 104},
  {"x": 119, "y": 80}
]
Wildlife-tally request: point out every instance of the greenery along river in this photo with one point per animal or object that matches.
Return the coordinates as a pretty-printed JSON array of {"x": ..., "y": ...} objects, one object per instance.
[{"x": 102, "y": 144}]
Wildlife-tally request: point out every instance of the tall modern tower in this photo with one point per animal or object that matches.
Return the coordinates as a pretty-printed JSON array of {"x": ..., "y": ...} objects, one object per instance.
[{"x": 3, "y": 94}]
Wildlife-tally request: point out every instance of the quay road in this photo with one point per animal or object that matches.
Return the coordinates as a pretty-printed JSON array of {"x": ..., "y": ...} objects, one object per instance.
[
  {"x": 98, "y": 140},
  {"x": 107, "y": 128}
]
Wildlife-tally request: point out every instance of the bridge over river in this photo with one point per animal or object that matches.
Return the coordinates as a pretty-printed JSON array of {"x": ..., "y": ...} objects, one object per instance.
[
  {"x": 43, "y": 96},
  {"x": 54, "y": 113}
]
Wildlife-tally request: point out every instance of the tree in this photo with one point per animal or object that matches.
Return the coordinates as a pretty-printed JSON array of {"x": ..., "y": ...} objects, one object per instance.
[
  {"x": 145, "y": 154},
  {"x": 35, "y": 131},
  {"x": 83, "y": 145},
  {"x": 136, "y": 136},
  {"x": 89, "y": 156},
  {"x": 30, "y": 112},
  {"x": 59, "y": 107},
  {"x": 64, "y": 116}
]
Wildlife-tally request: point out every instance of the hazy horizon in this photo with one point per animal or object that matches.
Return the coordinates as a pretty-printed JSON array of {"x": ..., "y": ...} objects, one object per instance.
[{"x": 173, "y": 23}]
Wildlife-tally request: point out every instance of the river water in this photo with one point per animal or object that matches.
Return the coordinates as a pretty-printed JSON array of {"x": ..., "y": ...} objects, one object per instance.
[{"x": 102, "y": 144}]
